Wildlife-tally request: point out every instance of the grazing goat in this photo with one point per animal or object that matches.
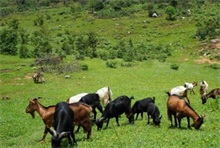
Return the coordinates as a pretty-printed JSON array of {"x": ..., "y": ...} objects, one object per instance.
[
  {"x": 37, "y": 77},
  {"x": 93, "y": 100},
  {"x": 105, "y": 95},
  {"x": 63, "y": 125},
  {"x": 180, "y": 91},
  {"x": 191, "y": 86},
  {"x": 203, "y": 88},
  {"x": 81, "y": 110},
  {"x": 215, "y": 93},
  {"x": 141, "y": 106},
  {"x": 114, "y": 109},
  {"x": 154, "y": 113},
  {"x": 82, "y": 116},
  {"x": 179, "y": 108},
  {"x": 76, "y": 98}
]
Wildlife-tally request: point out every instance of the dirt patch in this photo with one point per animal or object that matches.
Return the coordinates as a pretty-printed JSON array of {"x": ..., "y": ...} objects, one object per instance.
[
  {"x": 204, "y": 60},
  {"x": 28, "y": 76},
  {"x": 5, "y": 70}
]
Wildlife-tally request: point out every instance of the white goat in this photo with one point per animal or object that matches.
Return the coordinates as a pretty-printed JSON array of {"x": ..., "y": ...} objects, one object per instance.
[
  {"x": 76, "y": 98},
  {"x": 190, "y": 86},
  {"x": 203, "y": 88},
  {"x": 105, "y": 95},
  {"x": 180, "y": 91}
]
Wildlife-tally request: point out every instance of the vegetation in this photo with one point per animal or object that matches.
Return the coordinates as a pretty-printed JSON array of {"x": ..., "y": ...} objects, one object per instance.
[{"x": 114, "y": 43}]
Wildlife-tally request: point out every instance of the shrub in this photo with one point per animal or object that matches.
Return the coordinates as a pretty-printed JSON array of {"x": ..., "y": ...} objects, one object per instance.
[
  {"x": 8, "y": 41},
  {"x": 171, "y": 12},
  {"x": 111, "y": 64},
  {"x": 84, "y": 67},
  {"x": 24, "y": 52},
  {"x": 215, "y": 66},
  {"x": 174, "y": 66}
]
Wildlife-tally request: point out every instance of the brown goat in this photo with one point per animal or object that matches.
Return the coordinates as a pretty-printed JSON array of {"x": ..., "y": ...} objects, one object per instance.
[
  {"x": 81, "y": 115},
  {"x": 180, "y": 109},
  {"x": 212, "y": 94}
]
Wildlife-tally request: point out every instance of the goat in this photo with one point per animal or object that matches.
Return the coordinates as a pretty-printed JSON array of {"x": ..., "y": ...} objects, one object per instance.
[
  {"x": 63, "y": 125},
  {"x": 179, "y": 108},
  {"x": 141, "y": 106},
  {"x": 105, "y": 95},
  {"x": 180, "y": 91},
  {"x": 114, "y": 109},
  {"x": 215, "y": 93},
  {"x": 191, "y": 86},
  {"x": 76, "y": 98},
  {"x": 82, "y": 115},
  {"x": 93, "y": 100},
  {"x": 203, "y": 88},
  {"x": 37, "y": 77},
  {"x": 154, "y": 113}
]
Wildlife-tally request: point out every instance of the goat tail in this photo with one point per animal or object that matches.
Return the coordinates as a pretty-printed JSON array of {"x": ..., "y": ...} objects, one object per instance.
[{"x": 132, "y": 97}]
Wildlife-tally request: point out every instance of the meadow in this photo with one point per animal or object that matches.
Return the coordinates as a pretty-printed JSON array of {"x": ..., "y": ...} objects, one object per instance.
[{"x": 143, "y": 79}]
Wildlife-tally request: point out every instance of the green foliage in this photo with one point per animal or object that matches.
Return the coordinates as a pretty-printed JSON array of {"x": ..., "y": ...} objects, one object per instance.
[
  {"x": 174, "y": 66},
  {"x": 8, "y": 41},
  {"x": 24, "y": 52},
  {"x": 111, "y": 64},
  {"x": 171, "y": 12},
  {"x": 215, "y": 66},
  {"x": 208, "y": 28},
  {"x": 85, "y": 67}
]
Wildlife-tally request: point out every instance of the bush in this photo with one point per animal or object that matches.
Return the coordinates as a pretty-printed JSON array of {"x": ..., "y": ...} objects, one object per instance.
[
  {"x": 8, "y": 41},
  {"x": 111, "y": 64},
  {"x": 84, "y": 67},
  {"x": 24, "y": 52},
  {"x": 215, "y": 66},
  {"x": 174, "y": 66}
]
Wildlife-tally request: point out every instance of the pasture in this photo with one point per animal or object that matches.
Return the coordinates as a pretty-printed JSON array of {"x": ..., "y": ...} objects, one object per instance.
[
  {"x": 142, "y": 79},
  {"x": 150, "y": 78}
]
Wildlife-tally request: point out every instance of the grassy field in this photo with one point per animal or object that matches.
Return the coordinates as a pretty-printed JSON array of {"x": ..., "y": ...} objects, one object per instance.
[{"x": 144, "y": 79}]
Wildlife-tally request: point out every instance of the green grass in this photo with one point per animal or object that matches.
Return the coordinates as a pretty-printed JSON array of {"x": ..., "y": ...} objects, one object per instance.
[{"x": 144, "y": 79}]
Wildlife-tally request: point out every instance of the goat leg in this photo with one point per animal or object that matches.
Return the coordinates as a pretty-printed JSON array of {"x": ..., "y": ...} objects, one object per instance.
[
  {"x": 117, "y": 121},
  {"x": 77, "y": 129},
  {"x": 148, "y": 119},
  {"x": 45, "y": 134}
]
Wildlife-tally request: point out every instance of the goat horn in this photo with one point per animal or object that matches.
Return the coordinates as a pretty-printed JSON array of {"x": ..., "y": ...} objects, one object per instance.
[
  {"x": 52, "y": 132},
  {"x": 63, "y": 134}
]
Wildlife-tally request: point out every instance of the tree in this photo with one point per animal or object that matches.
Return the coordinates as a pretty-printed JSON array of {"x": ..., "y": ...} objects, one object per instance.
[
  {"x": 8, "y": 41},
  {"x": 171, "y": 11}
]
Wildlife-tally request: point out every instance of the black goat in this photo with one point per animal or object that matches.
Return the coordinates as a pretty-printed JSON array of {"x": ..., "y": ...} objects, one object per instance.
[
  {"x": 63, "y": 125},
  {"x": 114, "y": 109},
  {"x": 154, "y": 113},
  {"x": 141, "y": 106},
  {"x": 93, "y": 100}
]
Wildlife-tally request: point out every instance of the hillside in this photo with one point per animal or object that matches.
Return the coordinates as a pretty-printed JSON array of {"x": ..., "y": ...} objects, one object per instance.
[{"x": 79, "y": 30}]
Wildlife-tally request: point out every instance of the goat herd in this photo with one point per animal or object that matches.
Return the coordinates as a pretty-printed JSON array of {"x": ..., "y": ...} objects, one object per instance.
[{"x": 76, "y": 111}]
